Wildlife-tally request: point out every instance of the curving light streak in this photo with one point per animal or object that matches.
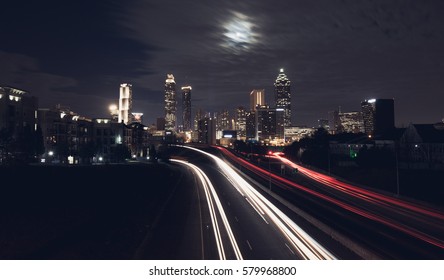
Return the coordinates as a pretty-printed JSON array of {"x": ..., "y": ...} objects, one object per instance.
[
  {"x": 304, "y": 244},
  {"x": 359, "y": 192},
  {"x": 364, "y": 213},
  {"x": 211, "y": 196}
]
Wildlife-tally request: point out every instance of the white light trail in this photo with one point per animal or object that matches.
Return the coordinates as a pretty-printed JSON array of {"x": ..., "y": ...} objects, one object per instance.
[
  {"x": 213, "y": 203},
  {"x": 301, "y": 242}
]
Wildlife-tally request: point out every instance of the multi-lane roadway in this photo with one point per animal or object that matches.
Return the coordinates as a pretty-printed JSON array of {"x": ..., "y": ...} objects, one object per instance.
[{"x": 380, "y": 224}]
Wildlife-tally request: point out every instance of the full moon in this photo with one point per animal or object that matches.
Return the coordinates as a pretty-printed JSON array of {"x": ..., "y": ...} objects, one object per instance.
[{"x": 239, "y": 33}]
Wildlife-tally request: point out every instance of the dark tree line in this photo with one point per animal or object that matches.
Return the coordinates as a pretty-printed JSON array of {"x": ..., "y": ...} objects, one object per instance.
[{"x": 315, "y": 151}]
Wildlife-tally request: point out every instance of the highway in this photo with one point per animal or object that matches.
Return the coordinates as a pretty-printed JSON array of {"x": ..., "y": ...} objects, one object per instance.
[
  {"x": 389, "y": 227},
  {"x": 203, "y": 202},
  {"x": 257, "y": 228}
]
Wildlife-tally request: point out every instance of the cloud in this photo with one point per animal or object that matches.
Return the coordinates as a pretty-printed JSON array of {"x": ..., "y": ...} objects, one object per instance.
[{"x": 336, "y": 53}]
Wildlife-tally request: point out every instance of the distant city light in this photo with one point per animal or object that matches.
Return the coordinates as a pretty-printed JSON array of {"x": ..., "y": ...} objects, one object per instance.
[
  {"x": 113, "y": 107},
  {"x": 372, "y": 100},
  {"x": 50, "y": 153},
  {"x": 100, "y": 158}
]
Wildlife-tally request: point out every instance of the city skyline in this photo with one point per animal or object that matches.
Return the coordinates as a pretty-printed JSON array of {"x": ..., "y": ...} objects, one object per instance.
[{"x": 335, "y": 54}]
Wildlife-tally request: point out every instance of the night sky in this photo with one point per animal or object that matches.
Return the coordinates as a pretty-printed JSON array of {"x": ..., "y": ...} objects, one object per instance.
[{"x": 336, "y": 53}]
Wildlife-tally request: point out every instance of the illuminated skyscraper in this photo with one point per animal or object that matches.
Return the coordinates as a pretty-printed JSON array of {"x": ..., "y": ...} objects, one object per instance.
[
  {"x": 269, "y": 123},
  {"x": 378, "y": 115},
  {"x": 257, "y": 98},
  {"x": 186, "y": 108},
  {"x": 125, "y": 103},
  {"x": 170, "y": 103},
  {"x": 199, "y": 114},
  {"x": 283, "y": 96},
  {"x": 241, "y": 123}
]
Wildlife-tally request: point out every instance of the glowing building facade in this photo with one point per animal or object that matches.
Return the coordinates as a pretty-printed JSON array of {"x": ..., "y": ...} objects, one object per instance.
[
  {"x": 125, "y": 103},
  {"x": 241, "y": 123},
  {"x": 283, "y": 96},
  {"x": 170, "y": 103},
  {"x": 379, "y": 116},
  {"x": 257, "y": 98}
]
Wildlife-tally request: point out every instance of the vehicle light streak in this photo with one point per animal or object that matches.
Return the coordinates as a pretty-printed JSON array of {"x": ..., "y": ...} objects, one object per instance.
[
  {"x": 359, "y": 192},
  {"x": 283, "y": 182},
  {"x": 304, "y": 244},
  {"x": 211, "y": 196}
]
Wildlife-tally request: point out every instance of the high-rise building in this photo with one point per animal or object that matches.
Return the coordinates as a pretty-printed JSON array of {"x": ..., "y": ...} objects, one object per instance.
[
  {"x": 257, "y": 98},
  {"x": 186, "y": 108},
  {"x": 224, "y": 120},
  {"x": 207, "y": 131},
  {"x": 170, "y": 103},
  {"x": 283, "y": 96},
  {"x": 379, "y": 116},
  {"x": 241, "y": 123},
  {"x": 250, "y": 125},
  {"x": 160, "y": 123},
  {"x": 350, "y": 122},
  {"x": 333, "y": 121},
  {"x": 125, "y": 103},
  {"x": 199, "y": 114},
  {"x": 269, "y": 123}
]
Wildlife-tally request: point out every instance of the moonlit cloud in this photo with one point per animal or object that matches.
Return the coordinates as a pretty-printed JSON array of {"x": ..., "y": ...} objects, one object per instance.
[
  {"x": 239, "y": 33},
  {"x": 335, "y": 52}
]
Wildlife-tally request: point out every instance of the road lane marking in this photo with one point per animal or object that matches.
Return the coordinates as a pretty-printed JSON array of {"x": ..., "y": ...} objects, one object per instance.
[
  {"x": 289, "y": 249},
  {"x": 249, "y": 245}
]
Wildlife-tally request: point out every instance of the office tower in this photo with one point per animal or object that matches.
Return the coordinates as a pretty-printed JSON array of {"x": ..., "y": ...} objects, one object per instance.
[
  {"x": 379, "y": 116},
  {"x": 125, "y": 103},
  {"x": 160, "y": 123},
  {"x": 250, "y": 125},
  {"x": 207, "y": 131},
  {"x": 333, "y": 121},
  {"x": 186, "y": 108},
  {"x": 197, "y": 117},
  {"x": 223, "y": 120},
  {"x": 350, "y": 122},
  {"x": 283, "y": 96},
  {"x": 269, "y": 123},
  {"x": 257, "y": 98},
  {"x": 241, "y": 123},
  {"x": 170, "y": 103}
]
